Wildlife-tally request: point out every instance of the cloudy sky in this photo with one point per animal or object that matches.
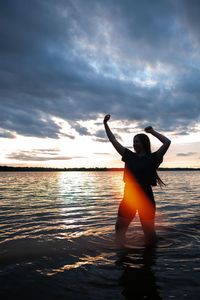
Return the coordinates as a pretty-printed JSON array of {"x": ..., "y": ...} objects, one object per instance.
[{"x": 64, "y": 64}]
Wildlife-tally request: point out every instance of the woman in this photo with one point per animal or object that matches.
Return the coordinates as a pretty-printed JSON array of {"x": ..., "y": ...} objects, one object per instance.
[{"x": 139, "y": 175}]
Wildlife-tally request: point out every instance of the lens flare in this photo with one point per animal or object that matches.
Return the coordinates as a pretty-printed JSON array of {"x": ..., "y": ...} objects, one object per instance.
[{"x": 138, "y": 198}]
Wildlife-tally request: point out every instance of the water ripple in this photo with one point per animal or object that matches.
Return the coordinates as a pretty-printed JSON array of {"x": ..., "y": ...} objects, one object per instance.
[{"x": 60, "y": 226}]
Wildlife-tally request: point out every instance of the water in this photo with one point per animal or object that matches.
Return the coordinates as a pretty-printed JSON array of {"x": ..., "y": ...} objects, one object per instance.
[{"x": 57, "y": 238}]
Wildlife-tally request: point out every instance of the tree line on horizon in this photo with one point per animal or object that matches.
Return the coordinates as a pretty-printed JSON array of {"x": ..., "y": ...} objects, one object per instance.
[{"x": 45, "y": 169}]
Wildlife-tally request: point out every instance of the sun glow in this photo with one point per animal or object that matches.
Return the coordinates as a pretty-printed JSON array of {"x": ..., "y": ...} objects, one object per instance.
[{"x": 74, "y": 149}]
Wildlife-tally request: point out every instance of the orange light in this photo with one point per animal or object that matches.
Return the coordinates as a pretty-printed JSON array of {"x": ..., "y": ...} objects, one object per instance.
[{"x": 136, "y": 199}]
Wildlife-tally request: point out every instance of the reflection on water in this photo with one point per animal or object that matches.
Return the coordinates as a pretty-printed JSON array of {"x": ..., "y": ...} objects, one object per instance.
[
  {"x": 29, "y": 205},
  {"x": 57, "y": 238},
  {"x": 138, "y": 278}
]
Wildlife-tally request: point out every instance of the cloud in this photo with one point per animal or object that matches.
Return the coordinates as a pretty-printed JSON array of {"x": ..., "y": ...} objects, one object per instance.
[
  {"x": 190, "y": 19},
  {"x": 99, "y": 153},
  {"x": 186, "y": 154},
  {"x": 75, "y": 60},
  {"x": 100, "y": 136},
  {"x": 68, "y": 135},
  {"x": 81, "y": 129},
  {"x": 39, "y": 155},
  {"x": 6, "y": 134},
  {"x": 29, "y": 122}
]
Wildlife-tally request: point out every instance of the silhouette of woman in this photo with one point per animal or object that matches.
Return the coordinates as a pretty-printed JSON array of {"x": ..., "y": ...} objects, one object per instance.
[{"x": 139, "y": 177}]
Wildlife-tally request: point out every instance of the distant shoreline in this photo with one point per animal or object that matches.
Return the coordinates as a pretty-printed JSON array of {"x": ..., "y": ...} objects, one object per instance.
[{"x": 41, "y": 169}]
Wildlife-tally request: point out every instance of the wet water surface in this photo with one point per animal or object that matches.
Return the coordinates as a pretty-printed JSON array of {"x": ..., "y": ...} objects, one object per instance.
[{"x": 57, "y": 238}]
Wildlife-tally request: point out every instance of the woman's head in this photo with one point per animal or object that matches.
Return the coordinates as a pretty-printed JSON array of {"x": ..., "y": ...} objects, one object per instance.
[{"x": 141, "y": 143}]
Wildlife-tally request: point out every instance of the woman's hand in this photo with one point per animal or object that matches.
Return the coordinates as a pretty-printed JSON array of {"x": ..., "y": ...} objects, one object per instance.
[
  {"x": 149, "y": 129},
  {"x": 120, "y": 149},
  {"x": 106, "y": 118}
]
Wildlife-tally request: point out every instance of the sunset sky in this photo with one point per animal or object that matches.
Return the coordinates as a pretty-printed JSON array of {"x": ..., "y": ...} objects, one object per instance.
[{"x": 65, "y": 64}]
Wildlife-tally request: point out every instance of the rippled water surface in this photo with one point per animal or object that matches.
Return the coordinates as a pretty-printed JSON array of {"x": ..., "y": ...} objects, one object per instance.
[{"x": 57, "y": 238}]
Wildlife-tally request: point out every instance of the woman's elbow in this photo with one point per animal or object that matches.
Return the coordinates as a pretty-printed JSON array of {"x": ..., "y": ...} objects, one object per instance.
[{"x": 168, "y": 143}]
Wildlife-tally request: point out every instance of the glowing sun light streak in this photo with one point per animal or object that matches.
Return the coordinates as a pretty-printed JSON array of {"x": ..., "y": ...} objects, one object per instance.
[{"x": 136, "y": 199}]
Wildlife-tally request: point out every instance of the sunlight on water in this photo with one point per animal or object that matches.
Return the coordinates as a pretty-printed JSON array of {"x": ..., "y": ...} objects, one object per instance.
[{"x": 60, "y": 226}]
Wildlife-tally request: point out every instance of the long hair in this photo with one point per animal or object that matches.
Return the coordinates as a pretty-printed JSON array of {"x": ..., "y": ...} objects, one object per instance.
[
  {"x": 146, "y": 144},
  {"x": 144, "y": 139}
]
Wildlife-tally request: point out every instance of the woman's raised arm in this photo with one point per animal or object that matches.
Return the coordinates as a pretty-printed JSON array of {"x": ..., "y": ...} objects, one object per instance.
[
  {"x": 120, "y": 149},
  {"x": 166, "y": 142}
]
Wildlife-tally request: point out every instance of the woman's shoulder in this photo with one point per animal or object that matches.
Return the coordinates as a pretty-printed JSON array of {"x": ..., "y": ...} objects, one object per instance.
[{"x": 128, "y": 154}]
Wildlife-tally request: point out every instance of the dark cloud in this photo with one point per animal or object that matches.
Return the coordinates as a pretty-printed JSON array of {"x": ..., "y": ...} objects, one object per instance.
[
  {"x": 186, "y": 154},
  {"x": 39, "y": 155},
  {"x": 78, "y": 60},
  {"x": 81, "y": 129},
  {"x": 28, "y": 122},
  {"x": 6, "y": 134},
  {"x": 190, "y": 18},
  {"x": 100, "y": 136}
]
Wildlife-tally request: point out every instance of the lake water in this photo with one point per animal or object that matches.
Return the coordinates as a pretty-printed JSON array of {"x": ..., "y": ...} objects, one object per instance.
[{"x": 57, "y": 238}]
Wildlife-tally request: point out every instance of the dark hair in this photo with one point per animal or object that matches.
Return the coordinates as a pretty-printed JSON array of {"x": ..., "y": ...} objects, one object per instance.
[{"x": 144, "y": 139}]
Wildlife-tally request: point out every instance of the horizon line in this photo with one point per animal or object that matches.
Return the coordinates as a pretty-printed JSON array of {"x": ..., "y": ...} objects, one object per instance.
[{"x": 31, "y": 168}]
